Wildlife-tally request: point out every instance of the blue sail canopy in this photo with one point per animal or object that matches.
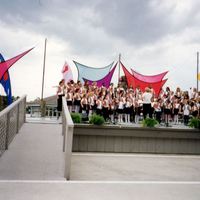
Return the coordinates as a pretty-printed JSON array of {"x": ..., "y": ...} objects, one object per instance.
[
  {"x": 105, "y": 80},
  {"x": 91, "y": 73}
]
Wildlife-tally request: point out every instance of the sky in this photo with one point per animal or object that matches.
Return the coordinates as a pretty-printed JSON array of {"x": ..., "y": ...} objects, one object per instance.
[{"x": 152, "y": 36}]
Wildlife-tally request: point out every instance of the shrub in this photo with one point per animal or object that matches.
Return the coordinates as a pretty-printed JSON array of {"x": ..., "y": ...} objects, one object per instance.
[
  {"x": 194, "y": 123},
  {"x": 148, "y": 122},
  {"x": 76, "y": 117},
  {"x": 96, "y": 119}
]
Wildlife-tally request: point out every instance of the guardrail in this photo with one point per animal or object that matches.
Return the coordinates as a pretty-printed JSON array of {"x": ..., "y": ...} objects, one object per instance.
[
  {"x": 67, "y": 132},
  {"x": 11, "y": 120}
]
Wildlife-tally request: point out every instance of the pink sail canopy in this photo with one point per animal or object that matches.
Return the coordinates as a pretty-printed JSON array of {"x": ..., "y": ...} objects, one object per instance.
[
  {"x": 4, "y": 66},
  {"x": 150, "y": 79},
  {"x": 105, "y": 80},
  {"x": 135, "y": 83}
]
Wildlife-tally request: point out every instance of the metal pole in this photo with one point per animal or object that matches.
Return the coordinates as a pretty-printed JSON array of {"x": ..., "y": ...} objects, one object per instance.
[
  {"x": 119, "y": 67},
  {"x": 44, "y": 62},
  {"x": 42, "y": 94},
  {"x": 197, "y": 71}
]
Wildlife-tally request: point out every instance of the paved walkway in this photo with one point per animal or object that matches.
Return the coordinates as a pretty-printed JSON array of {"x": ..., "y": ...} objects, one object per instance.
[
  {"x": 34, "y": 154},
  {"x": 99, "y": 191},
  {"x": 33, "y": 168},
  {"x": 134, "y": 167}
]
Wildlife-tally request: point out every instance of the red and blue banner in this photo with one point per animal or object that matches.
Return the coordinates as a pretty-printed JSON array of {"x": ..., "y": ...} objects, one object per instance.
[
  {"x": 4, "y": 73},
  {"x": 5, "y": 82}
]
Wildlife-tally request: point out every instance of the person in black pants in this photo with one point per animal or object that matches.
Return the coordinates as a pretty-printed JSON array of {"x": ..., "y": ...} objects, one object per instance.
[{"x": 147, "y": 98}]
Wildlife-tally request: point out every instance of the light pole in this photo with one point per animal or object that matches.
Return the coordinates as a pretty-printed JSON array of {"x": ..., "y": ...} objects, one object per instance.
[
  {"x": 197, "y": 71},
  {"x": 42, "y": 106}
]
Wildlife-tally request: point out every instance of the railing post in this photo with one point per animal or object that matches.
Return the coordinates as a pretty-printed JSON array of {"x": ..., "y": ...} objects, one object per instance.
[
  {"x": 64, "y": 138},
  {"x": 7, "y": 130},
  {"x": 25, "y": 109},
  {"x": 68, "y": 151},
  {"x": 67, "y": 131},
  {"x": 64, "y": 129},
  {"x": 18, "y": 117}
]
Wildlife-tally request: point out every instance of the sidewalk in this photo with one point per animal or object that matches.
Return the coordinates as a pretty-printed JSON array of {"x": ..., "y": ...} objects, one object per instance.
[
  {"x": 34, "y": 154},
  {"x": 33, "y": 168},
  {"x": 134, "y": 167},
  {"x": 98, "y": 191}
]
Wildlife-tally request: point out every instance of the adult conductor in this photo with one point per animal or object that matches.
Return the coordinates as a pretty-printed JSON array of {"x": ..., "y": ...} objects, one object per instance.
[{"x": 147, "y": 98}]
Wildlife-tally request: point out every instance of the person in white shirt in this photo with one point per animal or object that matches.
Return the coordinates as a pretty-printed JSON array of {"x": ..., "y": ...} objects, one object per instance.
[
  {"x": 186, "y": 112},
  {"x": 69, "y": 98},
  {"x": 99, "y": 104},
  {"x": 60, "y": 94},
  {"x": 158, "y": 109},
  {"x": 176, "y": 110},
  {"x": 128, "y": 106},
  {"x": 147, "y": 98},
  {"x": 120, "y": 110}
]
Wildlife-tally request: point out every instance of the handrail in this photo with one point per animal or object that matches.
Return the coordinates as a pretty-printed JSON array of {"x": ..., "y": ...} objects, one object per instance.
[
  {"x": 11, "y": 120},
  {"x": 67, "y": 131},
  {"x": 67, "y": 113},
  {"x": 10, "y": 107}
]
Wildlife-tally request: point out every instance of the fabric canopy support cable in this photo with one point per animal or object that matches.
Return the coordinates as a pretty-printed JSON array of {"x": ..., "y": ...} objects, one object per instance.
[
  {"x": 150, "y": 79},
  {"x": 135, "y": 83},
  {"x": 4, "y": 66},
  {"x": 91, "y": 73},
  {"x": 105, "y": 80}
]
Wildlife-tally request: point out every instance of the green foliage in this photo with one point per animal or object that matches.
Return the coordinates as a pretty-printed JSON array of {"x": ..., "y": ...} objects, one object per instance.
[
  {"x": 96, "y": 119},
  {"x": 76, "y": 117},
  {"x": 148, "y": 122},
  {"x": 194, "y": 123}
]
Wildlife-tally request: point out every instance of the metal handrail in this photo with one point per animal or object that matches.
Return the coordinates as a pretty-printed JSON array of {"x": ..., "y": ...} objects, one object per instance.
[
  {"x": 11, "y": 120},
  {"x": 10, "y": 107},
  {"x": 67, "y": 131}
]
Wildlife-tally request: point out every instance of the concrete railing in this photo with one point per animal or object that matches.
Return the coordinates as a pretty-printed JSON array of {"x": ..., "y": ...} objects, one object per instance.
[
  {"x": 11, "y": 120},
  {"x": 67, "y": 132}
]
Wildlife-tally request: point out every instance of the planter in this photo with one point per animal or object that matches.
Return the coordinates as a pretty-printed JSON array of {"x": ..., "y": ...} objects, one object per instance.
[{"x": 122, "y": 139}]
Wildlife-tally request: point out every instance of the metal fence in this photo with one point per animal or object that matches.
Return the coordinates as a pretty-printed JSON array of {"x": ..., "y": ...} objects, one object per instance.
[
  {"x": 11, "y": 120},
  {"x": 67, "y": 132}
]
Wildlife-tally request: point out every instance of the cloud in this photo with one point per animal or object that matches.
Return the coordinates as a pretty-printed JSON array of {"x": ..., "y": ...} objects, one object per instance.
[
  {"x": 142, "y": 22},
  {"x": 90, "y": 24},
  {"x": 152, "y": 36}
]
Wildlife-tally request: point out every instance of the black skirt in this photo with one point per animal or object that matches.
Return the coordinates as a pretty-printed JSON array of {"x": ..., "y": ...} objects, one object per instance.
[
  {"x": 77, "y": 102},
  {"x": 128, "y": 110},
  {"x": 176, "y": 111},
  {"x": 69, "y": 103},
  {"x": 59, "y": 103},
  {"x": 167, "y": 111}
]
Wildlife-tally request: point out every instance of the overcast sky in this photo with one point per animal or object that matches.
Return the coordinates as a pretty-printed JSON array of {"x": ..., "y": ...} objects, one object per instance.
[{"x": 152, "y": 36}]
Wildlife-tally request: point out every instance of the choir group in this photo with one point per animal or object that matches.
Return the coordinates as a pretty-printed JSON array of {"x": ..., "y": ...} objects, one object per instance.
[{"x": 124, "y": 104}]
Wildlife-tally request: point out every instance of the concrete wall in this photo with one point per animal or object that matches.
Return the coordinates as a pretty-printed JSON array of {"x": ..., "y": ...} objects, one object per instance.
[{"x": 90, "y": 138}]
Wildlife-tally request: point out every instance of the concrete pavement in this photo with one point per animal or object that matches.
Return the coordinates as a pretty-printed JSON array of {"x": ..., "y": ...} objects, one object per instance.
[
  {"x": 134, "y": 167},
  {"x": 34, "y": 154},
  {"x": 98, "y": 191},
  {"x": 33, "y": 168}
]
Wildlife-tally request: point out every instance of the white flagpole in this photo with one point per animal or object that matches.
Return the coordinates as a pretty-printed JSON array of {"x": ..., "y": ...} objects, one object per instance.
[
  {"x": 119, "y": 67},
  {"x": 197, "y": 71},
  {"x": 42, "y": 106}
]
